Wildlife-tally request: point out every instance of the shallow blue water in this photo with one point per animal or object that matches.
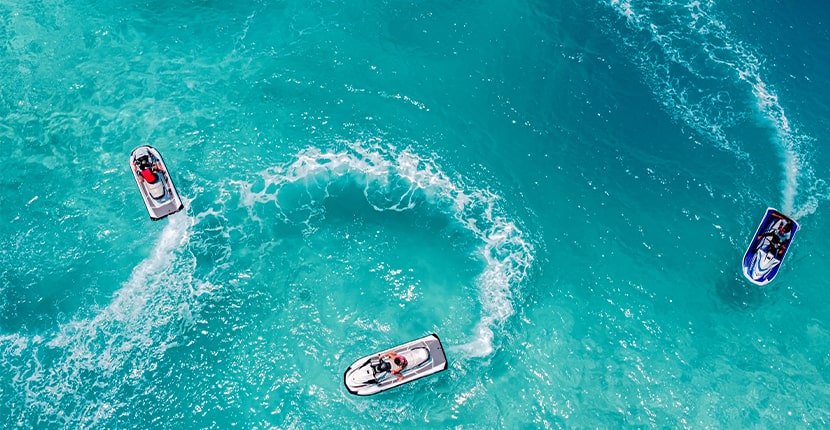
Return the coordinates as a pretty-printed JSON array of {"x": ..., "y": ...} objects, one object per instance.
[{"x": 561, "y": 191}]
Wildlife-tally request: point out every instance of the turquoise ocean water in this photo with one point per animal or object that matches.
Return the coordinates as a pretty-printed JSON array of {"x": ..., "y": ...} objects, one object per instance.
[{"x": 561, "y": 190}]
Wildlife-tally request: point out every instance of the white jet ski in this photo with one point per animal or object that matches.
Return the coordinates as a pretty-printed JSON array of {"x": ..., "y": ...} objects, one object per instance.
[
  {"x": 379, "y": 372},
  {"x": 154, "y": 183}
]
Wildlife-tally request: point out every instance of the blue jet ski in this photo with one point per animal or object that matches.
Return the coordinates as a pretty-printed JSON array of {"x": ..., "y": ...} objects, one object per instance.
[{"x": 768, "y": 247}]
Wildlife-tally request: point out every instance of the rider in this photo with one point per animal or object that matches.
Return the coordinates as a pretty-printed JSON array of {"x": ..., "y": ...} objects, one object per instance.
[
  {"x": 779, "y": 237},
  {"x": 399, "y": 361},
  {"x": 148, "y": 169},
  {"x": 383, "y": 366}
]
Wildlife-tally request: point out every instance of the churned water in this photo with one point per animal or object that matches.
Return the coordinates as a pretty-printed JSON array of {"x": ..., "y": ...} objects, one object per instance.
[{"x": 562, "y": 191}]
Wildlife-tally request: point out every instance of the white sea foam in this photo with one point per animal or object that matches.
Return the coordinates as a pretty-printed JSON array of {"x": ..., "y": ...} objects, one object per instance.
[
  {"x": 685, "y": 51},
  {"x": 67, "y": 376},
  {"x": 670, "y": 51},
  {"x": 398, "y": 180},
  {"x": 56, "y": 373}
]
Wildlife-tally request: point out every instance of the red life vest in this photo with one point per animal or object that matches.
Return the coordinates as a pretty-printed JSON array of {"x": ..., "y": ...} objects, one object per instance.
[{"x": 149, "y": 176}]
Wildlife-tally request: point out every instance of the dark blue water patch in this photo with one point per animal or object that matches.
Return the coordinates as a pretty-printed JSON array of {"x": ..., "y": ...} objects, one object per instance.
[
  {"x": 44, "y": 282},
  {"x": 347, "y": 206},
  {"x": 435, "y": 28},
  {"x": 25, "y": 309},
  {"x": 786, "y": 32},
  {"x": 210, "y": 247},
  {"x": 39, "y": 299},
  {"x": 736, "y": 292}
]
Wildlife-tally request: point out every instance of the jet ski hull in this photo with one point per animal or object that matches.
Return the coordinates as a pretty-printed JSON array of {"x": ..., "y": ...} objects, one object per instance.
[
  {"x": 760, "y": 264},
  {"x": 425, "y": 356},
  {"x": 160, "y": 197}
]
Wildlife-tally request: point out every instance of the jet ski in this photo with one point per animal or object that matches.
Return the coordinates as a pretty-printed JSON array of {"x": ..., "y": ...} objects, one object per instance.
[
  {"x": 154, "y": 183},
  {"x": 388, "y": 369},
  {"x": 768, "y": 247}
]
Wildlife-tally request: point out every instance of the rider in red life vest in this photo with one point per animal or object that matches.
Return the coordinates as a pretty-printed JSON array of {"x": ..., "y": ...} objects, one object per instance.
[
  {"x": 149, "y": 176},
  {"x": 148, "y": 170},
  {"x": 399, "y": 361}
]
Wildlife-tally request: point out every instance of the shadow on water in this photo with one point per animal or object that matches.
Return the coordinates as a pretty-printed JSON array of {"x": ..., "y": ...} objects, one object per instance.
[{"x": 737, "y": 292}]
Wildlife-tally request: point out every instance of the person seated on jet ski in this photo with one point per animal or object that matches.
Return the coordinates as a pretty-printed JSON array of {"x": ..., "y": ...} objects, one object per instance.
[
  {"x": 381, "y": 366},
  {"x": 399, "y": 361},
  {"x": 778, "y": 238},
  {"x": 148, "y": 169}
]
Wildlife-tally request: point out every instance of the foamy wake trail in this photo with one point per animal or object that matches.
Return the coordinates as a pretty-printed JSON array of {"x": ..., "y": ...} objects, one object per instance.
[
  {"x": 508, "y": 258},
  {"x": 692, "y": 62},
  {"x": 68, "y": 378},
  {"x": 791, "y": 145},
  {"x": 395, "y": 180}
]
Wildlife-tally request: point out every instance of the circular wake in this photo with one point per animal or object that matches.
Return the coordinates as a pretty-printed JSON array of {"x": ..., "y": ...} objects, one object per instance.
[
  {"x": 88, "y": 371},
  {"x": 394, "y": 180}
]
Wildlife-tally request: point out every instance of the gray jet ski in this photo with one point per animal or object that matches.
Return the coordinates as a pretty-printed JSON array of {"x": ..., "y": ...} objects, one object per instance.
[
  {"x": 154, "y": 183},
  {"x": 377, "y": 372}
]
